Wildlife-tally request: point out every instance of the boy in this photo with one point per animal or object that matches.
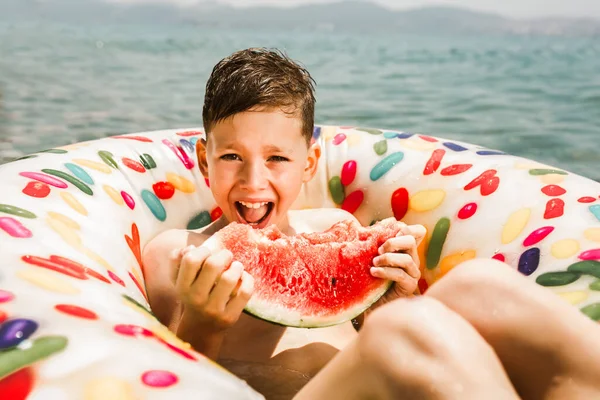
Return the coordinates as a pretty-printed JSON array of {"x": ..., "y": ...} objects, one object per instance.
[{"x": 258, "y": 115}]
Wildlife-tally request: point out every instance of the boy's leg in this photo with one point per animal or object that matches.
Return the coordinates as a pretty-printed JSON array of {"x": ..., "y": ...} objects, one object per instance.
[
  {"x": 549, "y": 349},
  {"x": 413, "y": 349}
]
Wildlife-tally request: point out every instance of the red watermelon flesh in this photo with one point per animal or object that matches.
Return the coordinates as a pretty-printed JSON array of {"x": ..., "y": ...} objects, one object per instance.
[{"x": 310, "y": 279}]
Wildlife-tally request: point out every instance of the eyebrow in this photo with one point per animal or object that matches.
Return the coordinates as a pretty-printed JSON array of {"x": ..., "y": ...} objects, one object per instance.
[
  {"x": 270, "y": 148},
  {"x": 273, "y": 148}
]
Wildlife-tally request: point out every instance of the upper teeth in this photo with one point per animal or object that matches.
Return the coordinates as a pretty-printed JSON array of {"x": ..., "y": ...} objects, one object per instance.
[{"x": 253, "y": 205}]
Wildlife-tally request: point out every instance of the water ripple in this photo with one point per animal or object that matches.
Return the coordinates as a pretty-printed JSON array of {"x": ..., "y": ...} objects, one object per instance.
[{"x": 534, "y": 97}]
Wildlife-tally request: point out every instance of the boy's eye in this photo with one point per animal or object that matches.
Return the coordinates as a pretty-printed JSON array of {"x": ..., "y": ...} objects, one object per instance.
[
  {"x": 230, "y": 157},
  {"x": 278, "y": 159}
]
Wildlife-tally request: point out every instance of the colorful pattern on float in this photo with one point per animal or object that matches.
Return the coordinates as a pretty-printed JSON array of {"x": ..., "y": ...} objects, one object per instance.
[{"x": 74, "y": 318}]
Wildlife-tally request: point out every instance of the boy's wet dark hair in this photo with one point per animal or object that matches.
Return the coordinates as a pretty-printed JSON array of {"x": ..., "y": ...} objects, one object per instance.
[{"x": 256, "y": 78}]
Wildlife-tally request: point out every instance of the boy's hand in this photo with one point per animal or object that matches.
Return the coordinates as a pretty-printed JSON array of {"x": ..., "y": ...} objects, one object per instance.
[
  {"x": 399, "y": 261},
  {"x": 213, "y": 289}
]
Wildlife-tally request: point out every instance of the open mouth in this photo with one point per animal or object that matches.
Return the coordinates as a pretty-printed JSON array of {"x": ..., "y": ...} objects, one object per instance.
[{"x": 256, "y": 214}]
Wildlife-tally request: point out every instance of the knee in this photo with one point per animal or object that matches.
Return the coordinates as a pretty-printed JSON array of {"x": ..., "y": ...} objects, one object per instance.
[
  {"x": 421, "y": 347},
  {"x": 489, "y": 294},
  {"x": 396, "y": 320},
  {"x": 406, "y": 337}
]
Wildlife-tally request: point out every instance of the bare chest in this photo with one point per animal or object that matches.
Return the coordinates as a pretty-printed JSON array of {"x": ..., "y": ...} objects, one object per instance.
[{"x": 276, "y": 360}]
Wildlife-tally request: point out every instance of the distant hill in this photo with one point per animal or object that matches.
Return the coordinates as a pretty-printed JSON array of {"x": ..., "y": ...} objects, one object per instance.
[{"x": 344, "y": 16}]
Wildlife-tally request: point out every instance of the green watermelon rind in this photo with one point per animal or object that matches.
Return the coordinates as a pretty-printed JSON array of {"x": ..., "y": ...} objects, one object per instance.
[{"x": 269, "y": 312}]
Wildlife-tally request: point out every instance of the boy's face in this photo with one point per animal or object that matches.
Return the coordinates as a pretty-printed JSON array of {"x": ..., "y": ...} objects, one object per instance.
[{"x": 256, "y": 162}]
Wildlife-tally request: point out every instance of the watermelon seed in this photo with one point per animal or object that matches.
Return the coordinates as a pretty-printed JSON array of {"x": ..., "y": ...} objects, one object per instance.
[{"x": 333, "y": 281}]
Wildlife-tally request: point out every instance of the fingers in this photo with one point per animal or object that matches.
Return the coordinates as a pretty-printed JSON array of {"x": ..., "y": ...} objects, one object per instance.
[
  {"x": 392, "y": 220},
  {"x": 209, "y": 273},
  {"x": 399, "y": 261},
  {"x": 231, "y": 294},
  {"x": 417, "y": 231},
  {"x": 174, "y": 261},
  {"x": 214, "y": 286},
  {"x": 243, "y": 294},
  {"x": 409, "y": 236},
  {"x": 397, "y": 275},
  {"x": 226, "y": 284},
  {"x": 398, "y": 243},
  {"x": 189, "y": 266}
]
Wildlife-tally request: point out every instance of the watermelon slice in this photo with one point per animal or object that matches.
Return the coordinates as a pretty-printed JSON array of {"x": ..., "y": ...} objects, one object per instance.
[{"x": 311, "y": 279}]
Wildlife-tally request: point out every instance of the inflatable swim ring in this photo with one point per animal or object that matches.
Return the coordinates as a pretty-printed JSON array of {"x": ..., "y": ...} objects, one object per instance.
[{"x": 75, "y": 323}]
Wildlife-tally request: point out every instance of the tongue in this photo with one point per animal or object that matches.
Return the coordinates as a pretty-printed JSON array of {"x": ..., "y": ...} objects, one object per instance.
[{"x": 252, "y": 215}]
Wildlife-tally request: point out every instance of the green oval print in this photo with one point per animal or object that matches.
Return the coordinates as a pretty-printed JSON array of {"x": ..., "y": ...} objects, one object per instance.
[
  {"x": 380, "y": 147},
  {"x": 588, "y": 267},
  {"x": 595, "y": 285},
  {"x": 53, "y": 151},
  {"x": 542, "y": 171},
  {"x": 147, "y": 161},
  {"x": 16, "y": 211},
  {"x": 72, "y": 180},
  {"x": 144, "y": 162},
  {"x": 199, "y": 221},
  {"x": 592, "y": 311},
  {"x": 17, "y": 358},
  {"x": 370, "y": 130},
  {"x": 557, "y": 278},
  {"x": 136, "y": 303},
  {"x": 337, "y": 190},
  {"x": 438, "y": 238},
  {"x": 26, "y": 157},
  {"x": 108, "y": 159}
]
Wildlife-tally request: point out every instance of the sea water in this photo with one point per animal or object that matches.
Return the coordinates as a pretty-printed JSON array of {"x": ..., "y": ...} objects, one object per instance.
[{"x": 537, "y": 97}]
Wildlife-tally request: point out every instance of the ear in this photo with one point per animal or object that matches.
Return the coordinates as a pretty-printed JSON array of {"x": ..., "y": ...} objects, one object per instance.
[
  {"x": 201, "y": 156},
  {"x": 312, "y": 162}
]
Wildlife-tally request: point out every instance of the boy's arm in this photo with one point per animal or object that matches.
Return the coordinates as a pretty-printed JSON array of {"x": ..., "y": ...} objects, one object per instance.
[{"x": 207, "y": 343}]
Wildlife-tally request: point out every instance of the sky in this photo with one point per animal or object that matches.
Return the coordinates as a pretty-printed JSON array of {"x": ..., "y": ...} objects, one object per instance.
[{"x": 510, "y": 8}]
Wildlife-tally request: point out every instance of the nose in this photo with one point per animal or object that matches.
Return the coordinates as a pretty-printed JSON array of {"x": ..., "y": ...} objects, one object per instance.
[{"x": 254, "y": 176}]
